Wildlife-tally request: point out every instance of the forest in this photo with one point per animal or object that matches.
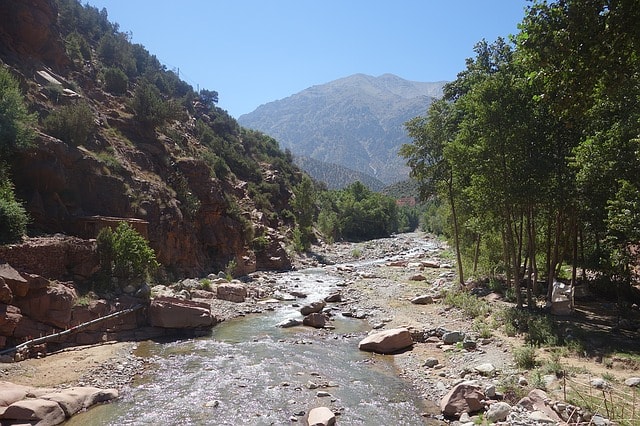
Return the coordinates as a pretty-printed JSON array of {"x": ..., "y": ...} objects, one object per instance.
[{"x": 533, "y": 153}]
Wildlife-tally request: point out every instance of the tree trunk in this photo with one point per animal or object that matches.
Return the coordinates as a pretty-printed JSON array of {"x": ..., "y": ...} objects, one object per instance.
[
  {"x": 456, "y": 237},
  {"x": 513, "y": 253}
]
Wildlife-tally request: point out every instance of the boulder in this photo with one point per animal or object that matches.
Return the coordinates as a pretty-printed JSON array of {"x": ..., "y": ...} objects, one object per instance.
[
  {"x": 10, "y": 393},
  {"x": 422, "y": 300},
  {"x": 321, "y": 416},
  {"x": 313, "y": 307},
  {"x": 10, "y": 317},
  {"x": 38, "y": 411},
  {"x": 315, "y": 320},
  {"x": 487, "y": 369},
  {"x": 498, "y": 412},
  {"x": 291, "y": 322},
  {"x": 6, "y": 295},
  {"x": 333, "y": 298},
  {"x": 535, "y": 401},
  {"x": 632, "y": 382},
  {"x": 51, "y": 305},
  {"x": 452, "y": 337},
  {"x": 17, "y": 283},
  {"x": 171, "y": 312},
  {"x": 465, "y": 397},
  {"x": 417, "y": 277},
  {"x": 74, "y": 399},
  {"x": 232, "y": 292},
  {"x": 387, "y": 341}
]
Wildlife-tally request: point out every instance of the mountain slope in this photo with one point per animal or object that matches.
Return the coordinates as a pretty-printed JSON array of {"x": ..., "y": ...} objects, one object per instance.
[{"x": 356, "y": 122}]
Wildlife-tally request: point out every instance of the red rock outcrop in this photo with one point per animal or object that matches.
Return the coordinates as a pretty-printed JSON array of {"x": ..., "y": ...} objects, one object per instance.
[{"x": 171, "y": 312}]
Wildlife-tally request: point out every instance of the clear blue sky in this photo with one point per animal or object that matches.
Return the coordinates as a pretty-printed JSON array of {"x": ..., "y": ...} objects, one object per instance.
[{"x": 256, "y": 51}]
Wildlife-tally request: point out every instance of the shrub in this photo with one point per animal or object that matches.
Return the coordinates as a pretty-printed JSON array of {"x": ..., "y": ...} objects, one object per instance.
[
  {"x": 468, "y": 303},
  {"x": 72, "y": 124},
  {"x": 13, "y": 217},
  {"x": 115, "y": 81},
  {"x": 16, "y": 124},
  {"x": 125, "y": 254},
  {"x": 525, "y": 357}
]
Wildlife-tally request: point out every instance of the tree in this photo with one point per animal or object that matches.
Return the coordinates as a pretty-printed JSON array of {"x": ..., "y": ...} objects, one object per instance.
[
  {"x": 209, "y": 97},
  {"x": 125, "y": 255},
  {"x": 304, "y": 209},
  {"x": 16, "y": 124}
]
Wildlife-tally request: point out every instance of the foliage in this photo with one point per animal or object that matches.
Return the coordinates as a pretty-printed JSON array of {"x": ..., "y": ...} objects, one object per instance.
[
  {"x": 471, "y": 305},
  {"x": 115, "y": 81},
  {"x": 148, "y": 106},
  {"x": 525, "y": 357},
  {"x": 72, "y": 124},
  {"x": 125, "y": 255},
  {"x": 13, "y": 217},
  {"x": 304, "y": 208},
  {"x": 16, "y": 124}
]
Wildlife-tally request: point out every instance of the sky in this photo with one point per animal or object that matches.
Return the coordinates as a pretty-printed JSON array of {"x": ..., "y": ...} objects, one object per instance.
[{"x": 257, "y": 51}]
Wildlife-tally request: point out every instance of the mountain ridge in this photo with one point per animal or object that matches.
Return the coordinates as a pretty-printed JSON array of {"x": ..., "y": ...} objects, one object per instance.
[{"x": 356, "y": 121}]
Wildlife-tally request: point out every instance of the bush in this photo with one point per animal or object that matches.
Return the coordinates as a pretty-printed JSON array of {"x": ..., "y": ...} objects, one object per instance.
[
  {"x": 72, "y": 124},
  {"x": 148, "y": 106},
  {"x": 13, "y": 217},
  {"x": 125, "y": 255},
  {"x": 16, "y": 124},
  {"x": 525, "y": 357},
  {"x": 115, "y": 81}
]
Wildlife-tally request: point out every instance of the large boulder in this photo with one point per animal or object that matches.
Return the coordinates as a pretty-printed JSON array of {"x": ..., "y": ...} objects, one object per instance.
[
  {"x": 465, "y": 397},
  {"x": 17, "y": 283},
  {"x": 387, "y": 341},
  {"x": 232, "y": 292},
  {"x": 42, "y": 412},
  {"x": 321, "y": 416},
  {"x": 10, "y": 317},
  {"x": 171, "y": 312},
  {"x": 74, "y": 399},
  {"x": 51, "y": 305},
  {"x": 315, "y": 320},
  {"x": 535, "y": 401},
  {"x": 313, "y": 307}
]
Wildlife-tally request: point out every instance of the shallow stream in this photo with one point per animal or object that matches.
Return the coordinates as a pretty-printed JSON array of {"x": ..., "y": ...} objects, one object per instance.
[{"x": 250, "y": 372}]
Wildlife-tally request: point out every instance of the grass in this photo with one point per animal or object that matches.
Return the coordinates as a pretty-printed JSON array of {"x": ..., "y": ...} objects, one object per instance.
[
  {"x": 471, "y": 305},
  {"x": 525, "y": 357}
]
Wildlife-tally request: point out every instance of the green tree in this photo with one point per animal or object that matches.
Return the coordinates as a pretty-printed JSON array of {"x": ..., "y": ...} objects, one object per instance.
[
  {"x": 16, "y": 124},
  {"x": 304, "y": 209},
  {"x": 148, "y": 106},
  {"x": 72, "y": 124},
  {"x": 13, "y": 217},
  {"x": 125, "y": 255}
]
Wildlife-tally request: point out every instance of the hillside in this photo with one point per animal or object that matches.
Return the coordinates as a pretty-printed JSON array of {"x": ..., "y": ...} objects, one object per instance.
[
  {"x": 356, "y": 122},
  {"x": 336, "y": 176},
  {"x": 119, "y": 137}
]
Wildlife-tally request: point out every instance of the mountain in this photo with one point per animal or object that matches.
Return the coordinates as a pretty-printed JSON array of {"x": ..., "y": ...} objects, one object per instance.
[
  {"x": 119, "y": 137},
  {"x": 356, "y": 122},
  {"x": 336, "y": 176}
]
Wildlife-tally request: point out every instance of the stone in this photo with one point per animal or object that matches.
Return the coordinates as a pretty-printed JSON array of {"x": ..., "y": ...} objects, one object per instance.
[
  {"x": 422, "y": 300},
  {"x": 232, "y": 292},
  {"x": 35, "y": 411},
  {"x": 417, "y": 277},
  {"x": 430, "y": 264},
  {"x": 170, "y": 312},
  {"x": 313, "y": 307},
  {"x": 469, "y": 344},
  {"x": 535, "y": 401},
  {"x": 321, "y": 416},
  {"x": 522, "y": 381},
  {"x": 51, "y": 305},
  {"x": 17, "y": 283},
  {"x": 6, "y": 295},
  {"x": 490, "y": 391},
  {"x": 465, "y": 397},
  {"x": 333, "y": 298},
  {"x": 633, "y": 382},
  {"x": 431, "y": 362},
  {"x": 315, "y": 320},
  {"x": 452, "y": 337},
  {"x": 497, "y": 412},
  {"x": 599, "y": 383},
  {"x": 290, "y": 322},
  {"x": 486, "y": 369},
  {"x": 539, "y": 417},
  {"x": 387, "y": 341},
  {"x": 74, "y": 399}
]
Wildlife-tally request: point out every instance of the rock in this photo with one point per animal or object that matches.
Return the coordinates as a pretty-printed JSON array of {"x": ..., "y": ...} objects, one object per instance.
[
  {"x": 431, "y": 362},
  {"x": 539, "y": 417},
  {"x": 290, "y": 322},
  {"x": 323, "y": 394},
  {"x": 422, "y": 300},
  {"x": 321, "y": 416},
  {"x": 535, "y": 401},
  {"x": 465, "y": 397},
  {"x": 74, "y": 399},
  {"x": 170, "y": 312},
  {"x": 522, "y": 381},
  {"x": 12, "y": 278},
  {"x": 6, "y": 295},
  {"x": 486, "y": 369},
  {"x": 315, "y": 320},
  {"x": 451, "y": 337},
  {"x": 387, "y": 341},
  {"x": 313, "y": 307},
  {"x": 34, "y": 410},
  {"x": 417, "y": 277},
  {"x": 497, "y": 412},
  {"x": 633, "y": 382},
  {"x": 333, "y": 298},
  {"x": 599, "y": 383},
  {"x": 51, "y": 305},
  {"x": 469, "y": 344},
  {"x": 490, "y": 391},
  {"x": 232, "y": 292},
  {"x": 430, "y": 264}
]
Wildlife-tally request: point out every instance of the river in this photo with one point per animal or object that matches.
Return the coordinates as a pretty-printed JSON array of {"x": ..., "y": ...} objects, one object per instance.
[{"x": 250, "y": 372}]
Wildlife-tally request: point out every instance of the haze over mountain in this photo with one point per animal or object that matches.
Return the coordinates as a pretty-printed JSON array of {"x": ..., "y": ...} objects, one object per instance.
[{"x": 356, "y": 122}]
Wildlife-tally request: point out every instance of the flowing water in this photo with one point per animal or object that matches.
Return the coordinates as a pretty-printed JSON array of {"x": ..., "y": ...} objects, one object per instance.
[{"x": 250, "y": 372}]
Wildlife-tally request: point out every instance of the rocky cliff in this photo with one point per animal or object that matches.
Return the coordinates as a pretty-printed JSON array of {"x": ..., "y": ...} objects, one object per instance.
[{"x": 192, "y": 179}]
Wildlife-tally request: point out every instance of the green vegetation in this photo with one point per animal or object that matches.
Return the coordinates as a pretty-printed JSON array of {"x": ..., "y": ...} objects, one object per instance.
[
  {"x": 72, "y": 124},
  {"x": 533, "y": 151},
  {"x": 125, "y": 255},
  {"x": 115, "y": 81},
  {"x": 525, "y": 357}
]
